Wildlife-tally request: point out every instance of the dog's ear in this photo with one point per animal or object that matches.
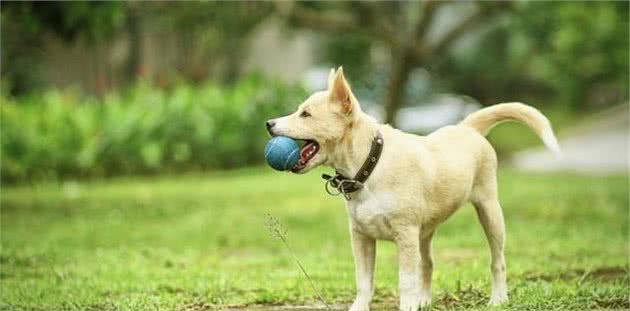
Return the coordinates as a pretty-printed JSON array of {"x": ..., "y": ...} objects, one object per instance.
[
  {"x": 340, "y": 93},
  {"x": 331, "y": 77}
]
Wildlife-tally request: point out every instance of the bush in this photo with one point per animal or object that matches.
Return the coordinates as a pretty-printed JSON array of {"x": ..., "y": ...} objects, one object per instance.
[{"x": 57, "y": 134}]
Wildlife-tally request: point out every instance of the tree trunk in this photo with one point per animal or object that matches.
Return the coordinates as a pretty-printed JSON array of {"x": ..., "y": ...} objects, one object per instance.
[
  {"x": 233, "y": 61},
  {"x": 396, "y": 86},
  {"x": 133, "y": 68}
]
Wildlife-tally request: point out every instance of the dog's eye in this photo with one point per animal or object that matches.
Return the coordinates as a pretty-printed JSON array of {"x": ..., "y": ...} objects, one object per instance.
[{"x": 304, "y": 114}]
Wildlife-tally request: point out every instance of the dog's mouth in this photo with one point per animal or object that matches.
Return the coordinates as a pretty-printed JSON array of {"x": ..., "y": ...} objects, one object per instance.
[{"x": 307, "y": 152}]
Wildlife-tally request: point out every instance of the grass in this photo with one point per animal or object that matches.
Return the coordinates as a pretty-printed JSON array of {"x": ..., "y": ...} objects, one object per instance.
[{"x": 199, "y": 242}]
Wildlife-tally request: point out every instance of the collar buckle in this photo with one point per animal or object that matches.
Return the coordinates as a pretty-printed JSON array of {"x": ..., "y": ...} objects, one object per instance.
[
  {"x": 339, "y": 184},
  {"x": 332, "y": 182}
]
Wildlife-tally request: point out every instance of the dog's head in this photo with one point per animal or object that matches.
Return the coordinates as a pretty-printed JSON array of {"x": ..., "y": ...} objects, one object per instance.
[{"x": 322, "y": 121}]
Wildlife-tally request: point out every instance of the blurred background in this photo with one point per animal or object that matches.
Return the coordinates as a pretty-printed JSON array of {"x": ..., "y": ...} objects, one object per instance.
[
  {"x": 132, "y": 136},
  {"x": 98, "y": 89}
]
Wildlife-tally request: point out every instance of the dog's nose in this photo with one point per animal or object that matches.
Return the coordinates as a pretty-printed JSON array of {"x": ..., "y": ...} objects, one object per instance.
[{"x": 270, "y": 125}]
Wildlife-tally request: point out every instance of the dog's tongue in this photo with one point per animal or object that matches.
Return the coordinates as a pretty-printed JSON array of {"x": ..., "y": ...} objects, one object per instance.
[{"x": 308, "y": 151}]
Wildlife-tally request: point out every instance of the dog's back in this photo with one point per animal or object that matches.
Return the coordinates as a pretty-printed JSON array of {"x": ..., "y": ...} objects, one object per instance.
[{"x": 459, "y": 164}]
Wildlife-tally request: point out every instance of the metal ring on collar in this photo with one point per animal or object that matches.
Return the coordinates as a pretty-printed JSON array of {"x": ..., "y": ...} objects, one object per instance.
[{"x": 327, "y": 186}]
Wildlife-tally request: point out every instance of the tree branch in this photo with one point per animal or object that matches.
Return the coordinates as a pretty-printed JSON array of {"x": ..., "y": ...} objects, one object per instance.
[
  {"x": 365, "y": 10},
  {"x": 426, "y": 18},
  {"x": 316, "y": 20},
  {"x": 323, "y": 21},
  {"x": 465, "y": 25},
  {"x": 427, "y": 13}
]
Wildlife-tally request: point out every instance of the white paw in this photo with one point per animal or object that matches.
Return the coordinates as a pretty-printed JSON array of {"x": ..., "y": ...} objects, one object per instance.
[
  {"x": 410, "y": 307},
  {"x": 498, "y": 299},
  {"x": 425, "y": 299},
  {"x": 360, "y": 305},
  {"x": 410, "y": 304}
]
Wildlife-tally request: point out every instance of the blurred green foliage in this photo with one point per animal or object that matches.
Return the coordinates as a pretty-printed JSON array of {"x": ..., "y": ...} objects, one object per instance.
[
  {"x": 566, "y": 58},
  {"x": 216, "y": 29},
  {"x": 95, "y": 20},
  {"x": 573, "y": 54},
  {"x": 563, "y": 53},
  {"x": 567, "y": 53},
  {"x": 25, "y": 25},
  {"x": 141, "y": 130}
]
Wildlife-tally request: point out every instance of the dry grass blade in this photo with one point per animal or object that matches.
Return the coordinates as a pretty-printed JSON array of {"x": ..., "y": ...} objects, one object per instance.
[{"x": 278, "y": 231}]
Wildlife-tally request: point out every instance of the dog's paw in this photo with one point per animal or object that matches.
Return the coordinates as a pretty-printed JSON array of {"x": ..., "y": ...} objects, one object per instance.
[
  {"x": 498, "y": 299},
  {"x": 360, "y": 306},
  {"x": 410, "y": 304},
  {"x": 425, "y": 299},
  {"x": 410, "y": 307}
]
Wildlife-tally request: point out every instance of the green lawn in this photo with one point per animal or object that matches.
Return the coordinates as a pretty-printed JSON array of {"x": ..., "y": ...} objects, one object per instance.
[{"x": 199, "y": 243}]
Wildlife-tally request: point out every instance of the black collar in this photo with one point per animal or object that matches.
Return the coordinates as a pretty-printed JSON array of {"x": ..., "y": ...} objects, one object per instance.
[{"x": 345, "y": 185}]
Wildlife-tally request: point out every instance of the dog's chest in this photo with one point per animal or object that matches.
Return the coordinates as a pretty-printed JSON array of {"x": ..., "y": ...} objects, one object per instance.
[{"x": 371, "y": 215}]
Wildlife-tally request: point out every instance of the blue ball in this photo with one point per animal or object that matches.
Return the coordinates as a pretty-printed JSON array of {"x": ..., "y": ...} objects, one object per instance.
[{"x": 282, "y": 153}]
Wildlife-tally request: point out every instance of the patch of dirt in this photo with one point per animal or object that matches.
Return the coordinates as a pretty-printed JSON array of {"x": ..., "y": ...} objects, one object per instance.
[
  {"x": 616, "y": 303},
  {"x": 466, "y": 298},
  {"x": 597, "y": 274},
  {"x": 197, "y": 306},
  {"x": 461, "y": 299},
  {"x": 101, "y": 307},
  {"x": 200, "y": 306},
  {"x": 335, "y": 307}
]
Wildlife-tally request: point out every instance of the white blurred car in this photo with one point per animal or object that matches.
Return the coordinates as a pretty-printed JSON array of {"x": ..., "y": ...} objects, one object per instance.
[{"x": 440, "y": 110}]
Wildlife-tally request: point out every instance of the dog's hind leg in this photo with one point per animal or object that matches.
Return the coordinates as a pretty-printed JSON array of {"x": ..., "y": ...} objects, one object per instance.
[
  {"x": 491, "y": 218},
  {"x": 426, "y": 269}
]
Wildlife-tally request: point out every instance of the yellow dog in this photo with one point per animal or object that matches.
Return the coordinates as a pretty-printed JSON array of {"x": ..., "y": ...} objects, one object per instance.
[{"x": 417, "y": 183}]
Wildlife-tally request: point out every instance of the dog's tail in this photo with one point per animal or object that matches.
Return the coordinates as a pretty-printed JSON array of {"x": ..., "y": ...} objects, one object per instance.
[{"x": 485, "y": 119}]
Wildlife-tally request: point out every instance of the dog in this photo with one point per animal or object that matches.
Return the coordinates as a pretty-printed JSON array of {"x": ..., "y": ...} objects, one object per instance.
[{"x": 417, "y": 183}]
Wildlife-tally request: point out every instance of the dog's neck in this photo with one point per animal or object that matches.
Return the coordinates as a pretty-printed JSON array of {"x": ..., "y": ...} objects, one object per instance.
[{"x": 351, "y": 152}]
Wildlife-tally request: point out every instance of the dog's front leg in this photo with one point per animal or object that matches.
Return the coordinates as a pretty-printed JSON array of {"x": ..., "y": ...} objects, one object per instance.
[
  {"x": 408, "y": 242},
  {"x": 364, "y": 251}
]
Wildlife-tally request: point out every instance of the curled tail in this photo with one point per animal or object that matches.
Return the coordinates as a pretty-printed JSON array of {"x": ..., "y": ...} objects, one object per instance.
[{"x": 485, "y": 119}]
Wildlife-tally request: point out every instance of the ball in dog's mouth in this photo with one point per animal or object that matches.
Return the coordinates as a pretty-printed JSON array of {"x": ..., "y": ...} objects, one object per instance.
[{"x": 307, "y": 152}]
